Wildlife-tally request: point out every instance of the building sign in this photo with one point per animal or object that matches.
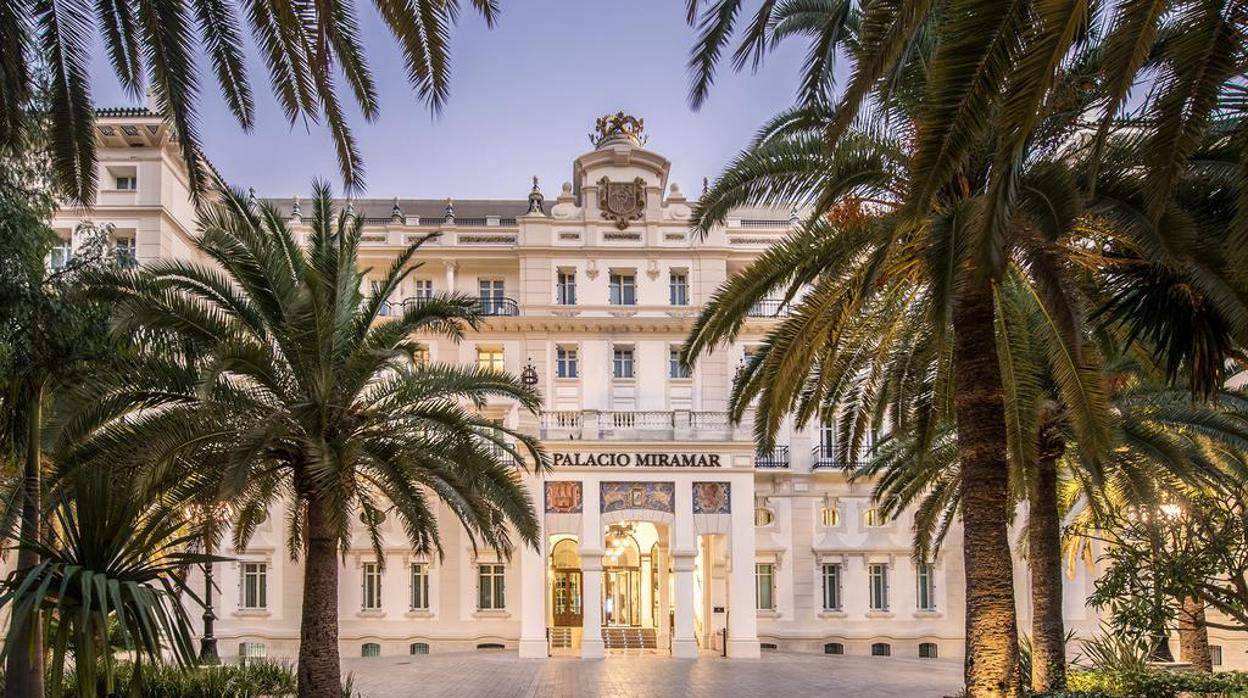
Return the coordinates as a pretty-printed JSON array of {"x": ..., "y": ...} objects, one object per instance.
[{"x": 636, "y": 460}]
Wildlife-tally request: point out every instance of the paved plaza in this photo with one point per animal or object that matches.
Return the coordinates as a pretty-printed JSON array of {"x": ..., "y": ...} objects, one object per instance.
[{"x": 472, "y": 674}]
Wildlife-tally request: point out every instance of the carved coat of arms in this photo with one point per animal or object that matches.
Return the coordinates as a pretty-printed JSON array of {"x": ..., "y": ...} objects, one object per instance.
[
  {"x": 563, "y": 497},
  {"x": 622, "y": 201}
]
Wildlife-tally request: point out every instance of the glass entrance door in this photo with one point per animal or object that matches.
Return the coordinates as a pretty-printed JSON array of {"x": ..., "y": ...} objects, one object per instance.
[
  {"x": 566, "y": 600},
  {"x": 621, "y": 597}
]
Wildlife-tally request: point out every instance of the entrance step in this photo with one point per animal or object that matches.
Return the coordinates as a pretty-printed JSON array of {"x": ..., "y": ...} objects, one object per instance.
[
  {"x": 629, "y": 638},
  {"x": 560, "y": 637}
]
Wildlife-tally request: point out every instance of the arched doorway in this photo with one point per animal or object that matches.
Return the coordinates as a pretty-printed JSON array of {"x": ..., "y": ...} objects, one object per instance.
[
  {"x": 621, "y": 578},
  {"x": 566, "y": 599}
]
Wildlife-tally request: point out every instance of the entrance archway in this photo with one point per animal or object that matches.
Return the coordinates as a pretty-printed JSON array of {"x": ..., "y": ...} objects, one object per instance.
[
  {"x": 566, "y": 600},
  {"x": 621, "y": 579}
]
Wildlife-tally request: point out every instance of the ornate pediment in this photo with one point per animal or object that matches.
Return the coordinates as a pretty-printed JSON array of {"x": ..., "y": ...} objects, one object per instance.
[{"x": 622, "y": 202}]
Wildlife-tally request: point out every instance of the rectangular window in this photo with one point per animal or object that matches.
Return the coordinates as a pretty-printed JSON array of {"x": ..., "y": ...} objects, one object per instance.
[
  {"x": 623, "y": 289},
  {"x": 925, "y": 593},
  {"x": 492, "y": 296},
  {"x": 878, "y": 574},
  {"x": 565, "y": 288},
  {"x": 765, "y": 586},
  {"x": 622, "y": 362},
  {"x": 490, "y": 587},
  {"x": 566, "y": 362},
  {"x": 60, "y": 255},
  {"x": 422, "y": 289},
  {"x": 126, "y": 252},
  {"x": 371, "y": 587},
  {"x": 831, "y": 587},
  {"x": 678, "y": 288},
  {"x": 675, "y": 367},
  {"x": 490, "y": 359},
  {"x": 420, "y": 586},
  {"x": 420, "y": 355},
  {"x": 127, "y": 183},
  {"x": 255, "y": 585}
]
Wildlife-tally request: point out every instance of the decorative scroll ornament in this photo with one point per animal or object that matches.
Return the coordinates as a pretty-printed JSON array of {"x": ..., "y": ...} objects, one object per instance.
[{"x": 622, "y": 201}]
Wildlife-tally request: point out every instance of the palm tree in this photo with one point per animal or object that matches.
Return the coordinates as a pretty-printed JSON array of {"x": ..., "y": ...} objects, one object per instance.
[
  {"x": 108, "y": 563},
  {"x": 304, "y": 46},
  {"x": 308, "y": 399},
  {"x": 975, "y": 82}
]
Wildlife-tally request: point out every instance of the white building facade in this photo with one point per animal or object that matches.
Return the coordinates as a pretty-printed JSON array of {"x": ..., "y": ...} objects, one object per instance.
[{"x": 664, "y": 528}]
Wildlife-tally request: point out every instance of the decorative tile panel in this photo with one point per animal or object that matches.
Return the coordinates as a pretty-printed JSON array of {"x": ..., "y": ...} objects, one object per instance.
[
  {"x": 563, "y": 497},
  {"x": 655, "y": 496},
  {"x": 712, "y": 498}
]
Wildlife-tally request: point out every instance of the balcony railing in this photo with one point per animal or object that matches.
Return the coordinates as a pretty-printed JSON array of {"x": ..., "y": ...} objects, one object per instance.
[
  {"x": 497, "y": 305},
  {"x": 824, "y": 457},
  {"x": 777, "y": 457},
  {"x": 641, "y": 425},
  {"x": 769, "y": 307}
]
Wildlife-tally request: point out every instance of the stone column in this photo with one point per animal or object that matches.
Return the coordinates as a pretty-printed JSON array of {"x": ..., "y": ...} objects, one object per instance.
[
  {"x": 684, "y": 555},
  {"x": 590, "y": 548},
  {"x": 665, "y": 601},
  {"x": 742, "y": 614},
  {"x": 533, "y": 600}
]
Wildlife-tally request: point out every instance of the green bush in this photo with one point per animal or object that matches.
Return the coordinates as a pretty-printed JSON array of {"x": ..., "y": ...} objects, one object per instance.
[
  {"x": 258, "y": 678},
  {"x": 1151, "y": 683}
]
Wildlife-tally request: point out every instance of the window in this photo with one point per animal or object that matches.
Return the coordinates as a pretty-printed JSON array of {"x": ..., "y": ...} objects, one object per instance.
[
  {"x": 422, "y": 289},
  {"x": 418, "y": 648},
  {"x": 623, "y": 289},
  {"x": 251, "y": 650},
  {"x": 60, "y": 255},
  {"x": 420, "y": 355},
  {"x": 834, "y": 648},
  {"x": 565, "y": 288},
  {"x": 878, "y": 574},
  {"x": 370, "y": 649},
  {"x": 491, "y": 646},
  {"x": 881, "y": 649},
  {"x": 255, "y": 590},
  {"x": 490, "y": 359},
  {"x": 490, "y": 587},
  {"x": 830, "y": 517},
  {"x": 874, "y": 518},
  {"x": 927, "y": 650},
  {"x": 925, "y": 593},
  {"x": 420, "y": 586},
  {"x": 763, "y": 516},
  {"x": 765, "y": 586},
  {"x": 565, "y": 362},
  {"x": 371, "y": 587},
  {"x": 126, "y": 252},
  {"x": 676, "y": 368},
  {"x": 831, "y": 587},
  {"x": 126, "y": 183},
  {"x": 622, "y": 362},
  {"x": 1215, "y": 655},
  {"x": 678, "y": 288},
  {"x": 492, "y": 296}
]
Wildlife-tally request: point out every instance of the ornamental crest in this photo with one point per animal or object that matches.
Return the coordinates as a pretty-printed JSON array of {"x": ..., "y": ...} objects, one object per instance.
[
  {"x": 622, "y": 201},
  {"x": 711, "y": 498},
  {"x": 654, "y": 496},
  {"x": 563, "y": 497}
]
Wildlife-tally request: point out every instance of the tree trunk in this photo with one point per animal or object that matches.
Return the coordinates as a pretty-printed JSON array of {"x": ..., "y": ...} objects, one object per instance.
[
  {"x": 1048, "y": 634},
  {"x": 1194, "y": 635},
  {"x": 991, "y": 625},
  {"x": 25, "y": 663},
  {"x": 320, "y": 674}
]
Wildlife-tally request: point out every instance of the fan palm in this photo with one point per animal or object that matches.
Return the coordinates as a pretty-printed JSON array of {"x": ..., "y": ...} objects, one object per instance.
[
  {"x": 110, "y": 568},
  {"x": 307, "y": 398},
  {"x": 305, "y": 46}
]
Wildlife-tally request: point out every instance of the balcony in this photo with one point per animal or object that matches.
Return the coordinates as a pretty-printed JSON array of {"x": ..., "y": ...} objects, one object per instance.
[
  {"x": 642, "y": 425},
  {"x": 769, "y": 308},
  {"x": 777, "y": 458},
  {"x": 486, "y": 306},
  {"x": 825, "y": 457}
]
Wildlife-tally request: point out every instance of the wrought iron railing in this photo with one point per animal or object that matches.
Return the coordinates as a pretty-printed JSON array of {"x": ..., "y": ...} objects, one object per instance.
[
  {"x": 778, "y": 457},
  {"x": 496, "y": 305},
  {"x": 769, "y": 307},
  {"x": 825, "y": 457}
]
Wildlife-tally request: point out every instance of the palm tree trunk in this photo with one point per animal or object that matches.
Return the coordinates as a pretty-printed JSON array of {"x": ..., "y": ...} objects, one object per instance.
[
  {"x": 991, "y": 625},
  {"x": 320, "y": 674},
  {"x": 1194, "y": 635},
  {"x": 1048, "y": 643},
  {"x": 25, "y": 663}
]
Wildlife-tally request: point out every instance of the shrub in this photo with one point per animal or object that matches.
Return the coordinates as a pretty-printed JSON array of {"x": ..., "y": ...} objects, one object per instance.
[{"x": 1151, "y": 683}]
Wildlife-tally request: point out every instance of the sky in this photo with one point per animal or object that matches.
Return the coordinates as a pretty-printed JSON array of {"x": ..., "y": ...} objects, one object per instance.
[{"x": 524, "y": 96}]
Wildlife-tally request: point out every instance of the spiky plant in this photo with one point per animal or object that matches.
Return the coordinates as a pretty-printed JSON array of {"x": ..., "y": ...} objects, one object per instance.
[{"x": 305, "y": 398}]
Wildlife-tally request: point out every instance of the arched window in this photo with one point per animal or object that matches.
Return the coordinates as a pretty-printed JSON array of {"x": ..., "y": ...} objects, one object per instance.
[
  {"x": 763, "y": 516},
  {"x": 875, "y": 518},
  {"x": 881, "y": 649},
  {"x": 370, "y": 649},
  {"x": 927, "y": 650},
  {"x": 418, "y": 648},
  {"x": 830, "y": 517},
  {"x": 834, "y": 648},
  {"x": 248, "y": 651},
  {"x": 491, "y": 646},
  {"x": 564, "y": 555}
]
